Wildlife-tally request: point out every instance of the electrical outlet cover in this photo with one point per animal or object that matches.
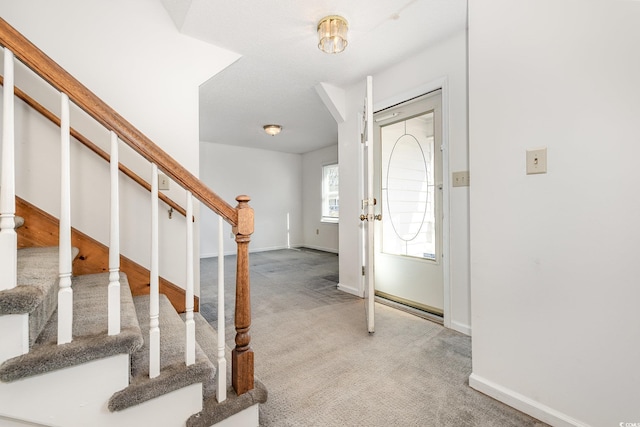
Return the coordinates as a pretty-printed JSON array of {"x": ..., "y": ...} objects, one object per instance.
[{"x": 460, "y": 179}]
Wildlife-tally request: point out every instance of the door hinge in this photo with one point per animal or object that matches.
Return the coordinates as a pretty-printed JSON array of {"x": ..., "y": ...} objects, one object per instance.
[{"x": 363, "y": 270}]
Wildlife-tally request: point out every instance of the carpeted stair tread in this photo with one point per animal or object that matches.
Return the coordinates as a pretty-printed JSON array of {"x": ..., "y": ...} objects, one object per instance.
[
  {"x": 90, "y": 338},
  {"x": 19, "y": 221},
  {"x": 37, "y": 269},
  {"x": 206, "y": 336},
  {"x": 36, "y": 292},
  {"x": 212, "y": 411},
  {"x": 174, "y": 374}
]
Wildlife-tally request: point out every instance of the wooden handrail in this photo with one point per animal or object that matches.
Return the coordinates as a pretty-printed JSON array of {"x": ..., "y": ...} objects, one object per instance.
[
  {"x": 91, "y": 146},
  {"x": 60, "y": 79}
]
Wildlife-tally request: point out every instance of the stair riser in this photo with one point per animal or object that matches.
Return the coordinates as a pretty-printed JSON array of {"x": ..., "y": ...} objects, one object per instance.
[
  {"x": 14, "y": 330},
  {"x": 8, "y": 259},
  {"x": 78, "y": 397},
  {"x": 248, "y": 417},
  {"x": 69, "y": 397},
  {"x": 172, "y": 409}
]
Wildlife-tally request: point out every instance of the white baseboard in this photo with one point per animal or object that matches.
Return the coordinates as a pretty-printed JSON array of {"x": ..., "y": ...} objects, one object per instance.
[
  {"x": 251, "y": 251},
  {"x": 210, "y": 255},
  {"x": 274, "y": 248},
  {"x": 349, "y": 290},
  {"x": 320, "y": 248},
  {"x": 523, "y": 403},
  {"x": 462, "y": 328},
  {"x": 13, "y": 422}
]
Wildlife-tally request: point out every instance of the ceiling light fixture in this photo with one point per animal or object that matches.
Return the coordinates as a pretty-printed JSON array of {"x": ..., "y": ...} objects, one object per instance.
[
  {"x": 272, "y": 130},
  {"x": 332, "y": 34}
]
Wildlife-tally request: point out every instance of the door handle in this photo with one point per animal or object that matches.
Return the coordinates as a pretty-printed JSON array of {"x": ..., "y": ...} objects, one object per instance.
[{"x": 377, "y": 217}]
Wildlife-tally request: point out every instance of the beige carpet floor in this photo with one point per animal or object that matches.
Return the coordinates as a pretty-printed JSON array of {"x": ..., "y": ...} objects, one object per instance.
[{"x": 322, "y": 368}]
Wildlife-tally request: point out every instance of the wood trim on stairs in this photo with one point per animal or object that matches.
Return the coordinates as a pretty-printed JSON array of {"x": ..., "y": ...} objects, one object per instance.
[
  {"x": 41, "y": 229},
  {"x": 91, "y": 146},
  {"x": 59, "y": 78}
]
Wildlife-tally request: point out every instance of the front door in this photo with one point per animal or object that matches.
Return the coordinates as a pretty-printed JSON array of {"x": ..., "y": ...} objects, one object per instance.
[
  {"x": 408, "y": 187},
  {"x": 367, "y": 204}
]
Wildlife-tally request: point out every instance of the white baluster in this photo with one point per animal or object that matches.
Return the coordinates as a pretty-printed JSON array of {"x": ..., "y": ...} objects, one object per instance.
[
  {"x": 114, "y": 242},
  {"x": 221, "y": 391},
  {"x": 8, "y": 236},
  {"x": 65, "y": 293},
  {"x": 154, "y": 309},
  {"x": 190, "y": 353}
]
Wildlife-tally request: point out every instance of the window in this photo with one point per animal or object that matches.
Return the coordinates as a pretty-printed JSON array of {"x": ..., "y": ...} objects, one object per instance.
[
  {"x": 408, "y": 187},
  {"x": 330, "y": 197}
]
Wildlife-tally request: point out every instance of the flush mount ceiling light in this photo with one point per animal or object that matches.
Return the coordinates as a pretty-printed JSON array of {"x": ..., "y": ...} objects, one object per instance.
[
  {"x": 332, "y": 34},
  {"x": 272, "y": 130}
]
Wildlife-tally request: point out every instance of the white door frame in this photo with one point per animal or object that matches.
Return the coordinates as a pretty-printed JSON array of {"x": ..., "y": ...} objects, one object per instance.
[{"x": 440, "y": 83}]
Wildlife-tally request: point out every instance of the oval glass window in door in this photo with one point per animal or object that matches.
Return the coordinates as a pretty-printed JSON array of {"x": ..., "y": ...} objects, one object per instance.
[{"x": 408, "y": 188}]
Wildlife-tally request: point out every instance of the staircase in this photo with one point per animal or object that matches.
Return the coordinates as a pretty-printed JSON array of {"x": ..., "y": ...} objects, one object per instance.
[
  {"x": 95, "y": 366},
  {"x": 80, "y": 350}
]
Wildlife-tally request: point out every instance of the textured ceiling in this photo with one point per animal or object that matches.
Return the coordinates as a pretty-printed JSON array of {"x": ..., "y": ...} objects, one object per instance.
[{"x": 274, "y": 81}]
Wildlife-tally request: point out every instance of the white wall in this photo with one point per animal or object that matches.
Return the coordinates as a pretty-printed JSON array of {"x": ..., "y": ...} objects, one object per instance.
[
  {"x": 272, "y": 179},
  {"x": 554, "y": 257},
  {"x": 131, "y": 55},
  {"x": 317, "y": 234},
  {"x": 400, "y": 82}
]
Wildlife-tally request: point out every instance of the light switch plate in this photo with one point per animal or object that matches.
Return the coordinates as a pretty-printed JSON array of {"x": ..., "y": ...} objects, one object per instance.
[
  {"x": 460, "y": 179},
  {"x": 537, "y": 161},
  {"x": 163, "y": 182}
]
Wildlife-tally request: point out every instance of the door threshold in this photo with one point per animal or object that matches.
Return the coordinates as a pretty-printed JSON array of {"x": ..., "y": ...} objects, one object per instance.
[{"x": 411, "y": 310}]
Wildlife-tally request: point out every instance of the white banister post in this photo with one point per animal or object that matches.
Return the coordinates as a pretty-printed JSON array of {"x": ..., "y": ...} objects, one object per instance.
[
  {"x": 221, "y": 390},
  {"x": 8, "y": 236},
  {"x": 154, "y": 306},
  {"x": 190, "y": 348},
  {"x": 65, "y": 293},
  {"x": 114, "y": 242}
]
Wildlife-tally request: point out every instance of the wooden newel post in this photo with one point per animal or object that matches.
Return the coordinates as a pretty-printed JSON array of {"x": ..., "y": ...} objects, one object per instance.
[{"x": 242, "y": 355}]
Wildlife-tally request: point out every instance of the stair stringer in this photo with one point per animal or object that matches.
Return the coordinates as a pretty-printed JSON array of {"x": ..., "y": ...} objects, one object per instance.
[{"x": 78, "y": 396}]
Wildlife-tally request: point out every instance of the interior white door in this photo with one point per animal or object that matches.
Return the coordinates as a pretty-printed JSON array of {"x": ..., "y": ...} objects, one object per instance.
[
  {"x": 408, "y": 185},
  {"x": 367, "y": 216}
]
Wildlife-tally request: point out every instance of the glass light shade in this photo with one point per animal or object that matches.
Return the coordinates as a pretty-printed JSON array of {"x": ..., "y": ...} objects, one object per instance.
[
  {"x": 332, "y": 34},
  {"x": 272, "y": 130}
]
